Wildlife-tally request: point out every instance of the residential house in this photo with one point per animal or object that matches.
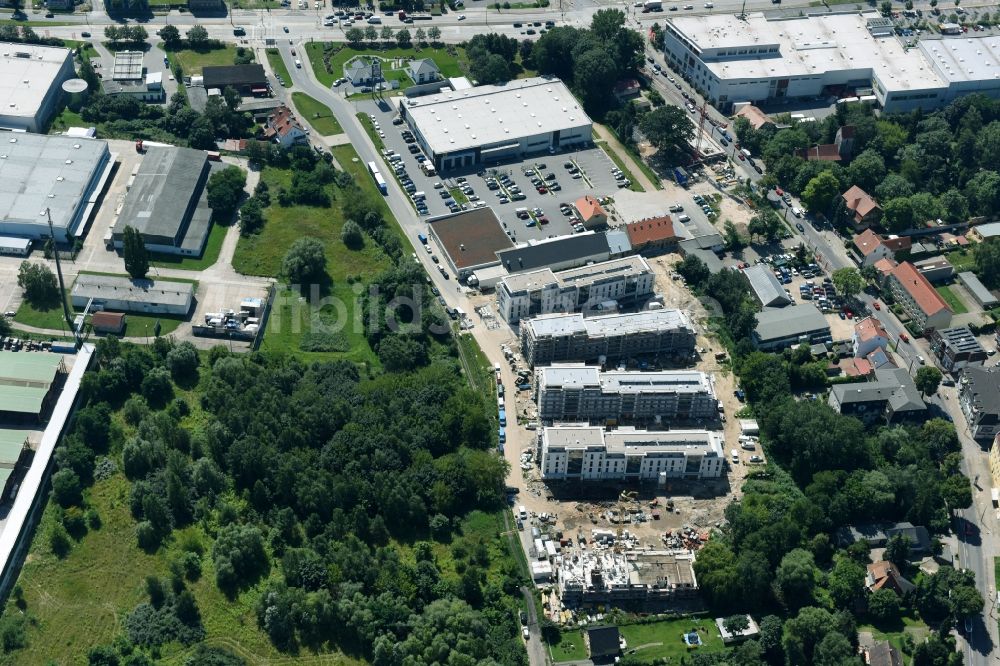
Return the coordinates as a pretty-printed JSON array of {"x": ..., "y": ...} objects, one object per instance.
[
  {"x": 757, "y": 118},
  {"x": 865, "y": 211},
  {"x": 873, "y": 248},
  {"x": 884, "y": 575},
  {"x": 979, "y": 397},
  {"x": 885, "y": 267},
  {"x": 592, "y": 215},
  {"x": 882, "y": 654},
  {"x": 284, "y": 128},
  {"x": 626, "y": 89},
  {"x": 826, "y": 152},
  {"x": 652, "y": 235},
  {"x": 869, "y": 335},
  {"x": 604, "y": 642},
  {"x": 423, "y": 70},
  {"x": 844, "y": 140},
  {"x": 890, "y": 398},
  {"x": 878, "y": 534},
  {"x": 925, "y": 307},
  {"x": 361, "y": 72},
  {"x": 955, "y": 348}
]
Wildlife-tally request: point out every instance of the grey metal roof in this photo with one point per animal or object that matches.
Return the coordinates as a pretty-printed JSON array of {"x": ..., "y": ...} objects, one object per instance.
[
  {"x": 549, "y": 252},
  {"x": 128, "y": 66},
  {"x": 979, "y": 291},
  {"x": 39, "y": 172},
  {"x": 618, "y": 242},
  {"x": 706, "y": 242},
  {"x": 791, "y": 321},
  {"x": 234, "y": 75},
  {"x": 961, "y": 339},
  {"x": 766, "y": 286},
  {"x": 105, "y": 287},
  {"x": 892, "y": 385},
  {"x": 424, "y": 66},
  {"x": 983, "y": 386},
  {"x": 163, "y": 195}
]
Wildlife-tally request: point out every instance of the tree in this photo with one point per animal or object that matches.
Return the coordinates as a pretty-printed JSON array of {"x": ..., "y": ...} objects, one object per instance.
[
  {"x": 387, "y": 33},
  {"x": 225, "y": 191},
  {"x": 420, "y": 36},
  {"x": 371, "y": 34},
  {"x": 183, "y": 361},
  {"x": 927, "y": 380},
  {"x": 666, "y": 127},
  {"x": 59, "y": 541},
  {"x": 39, "y": 284},
  {"x": 251, "y": 217},
  {"x": 820, "y": 191},
  {"x": 135, "y": 254},
  {"x": 693, "y": 270},
  {"x": 305, "y": 261},
  {"x": 845, "y": 582},
  {"x": 732, "y": 236},
  {"x": 883, "y": 605},
  {"x": 197, "y": 37},
  {"x": 848, "y": 281},
  {"x": 898, "y": 214},
  {"x": 835, "y": 650},
  {"x": 796, "y": 577},
  {"x": 403, "y": 39},
  {"x": 202, "y": 134},
  {"x": 885, "y": 7},
  {"x": 987, "y": 259},
  {"x": 66, "y": 488},
  {"x": 352, "y": 235},
  {"x": 239, "y": 556},
  {"x": 170, "y": 35},
  {"x": 434, "y": 33},
  {"x": 867, "y": 170},
  {"x": 736, "y": 624},
  {"x": 355, "y": 36}
]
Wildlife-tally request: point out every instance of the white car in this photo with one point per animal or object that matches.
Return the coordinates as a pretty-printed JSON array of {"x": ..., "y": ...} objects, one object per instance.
[
  {"x": 461, "y": 17},
  {"x": 709, "y": 5}
]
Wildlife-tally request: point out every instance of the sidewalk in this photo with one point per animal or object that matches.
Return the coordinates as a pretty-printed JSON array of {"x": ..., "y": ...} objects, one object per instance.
[{"x": 626, "y": 157}]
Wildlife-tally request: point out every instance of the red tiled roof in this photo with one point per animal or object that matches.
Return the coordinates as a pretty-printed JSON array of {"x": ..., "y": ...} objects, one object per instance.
[
  {"x": 282, "y": 121},
  {"x": 898, "y": 243},
  {"x": 867, "y": 242},
  {"x": 860, "y": 202},
  {"x": 885, "y": 265},
  {"x": 108, "y": 320},
  {"x": 589, "y": 207},
  {"x": 919, "y": 288},
  {"x": 827, "y": 152},
  {"x": 756, "y": 117},
  {"x": 651, "y": 230},
  {"x": 868, "y": 328},
  {"x": 856, "y": 367}
]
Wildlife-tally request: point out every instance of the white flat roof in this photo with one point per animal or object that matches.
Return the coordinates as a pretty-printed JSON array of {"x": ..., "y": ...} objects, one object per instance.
[
  {"x": 27, "y": 72},
  {"x": 630, "y": 440},
  {"x": 46, "y": 171},
  {"x": 808, "y": 46},
  {"x": 463, "y": 119},
  {"x": 578, "y": 375},
  {"x": 964, "y": 58},
  {"x": 614, "y": 324}
]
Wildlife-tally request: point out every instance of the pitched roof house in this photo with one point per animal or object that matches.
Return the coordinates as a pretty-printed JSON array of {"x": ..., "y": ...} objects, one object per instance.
[
  {"x": 884, "y": 574},
  {"x": 284, "y": 128},
  {"x": 919, "y": 299},
  {"x": 652, "y": 234},
  {"x": 590, "y": 211},
  {"x": 863, "y": 206},
  {"x": 423, "y": 70}
]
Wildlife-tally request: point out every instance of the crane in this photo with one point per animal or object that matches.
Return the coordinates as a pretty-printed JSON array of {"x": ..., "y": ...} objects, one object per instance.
[{"x": 625, "y": 496}]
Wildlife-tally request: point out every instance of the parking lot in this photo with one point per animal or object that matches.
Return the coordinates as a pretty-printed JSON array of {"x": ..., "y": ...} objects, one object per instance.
[{"x": 592, "y": 165}]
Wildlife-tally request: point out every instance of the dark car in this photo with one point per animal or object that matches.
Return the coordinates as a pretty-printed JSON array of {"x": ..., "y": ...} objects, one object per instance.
[
  {"x": 756, "y": 167},
  {"x": 798, "y": 225},
  {"x": 285, "y": 28},
  {"x": 85, "y": 34}
]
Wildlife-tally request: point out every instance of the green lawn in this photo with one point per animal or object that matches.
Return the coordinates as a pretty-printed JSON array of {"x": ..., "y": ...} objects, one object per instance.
[
  {"x": 317, "y": 114},
  {"x": 952, "y": 299},
  {"x": 895, "y": 631},
  {"x": 662, "y": 640},
  {"x": 366, "y": 122},
  {"x": 278, "y": 67},
  {"x": 292, "y": 322},
  {"x": 459, "y": 196},
  {"x": 450, "y": 65},
  {"x": 208, "y": 258},
  {"x": 136, "y": 326},
  {"x": 570, "y": 647},
  {"x": 193, "y": 61},
  {"x": 620, "y": 163},
  {"x": 64, "y": 120},
  {"x": 962, "y": 260}
]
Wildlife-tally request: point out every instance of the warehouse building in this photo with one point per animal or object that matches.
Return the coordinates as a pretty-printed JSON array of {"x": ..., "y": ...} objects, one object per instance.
[
  {"x": 167, "y": 202},
  {"x": 13, "y": 445},
  {"x": 122, "y": 294},
  {"x": 569, "y": 337},
  {"x": 31, "y": 78},
  {"x": 577, "y": 392},
  {"x": 979, "y": 291},
  {"x": 247, "y": 80},
  {"x": 461, "y": 129},
  {"x": 470, "y": 240},
  {"x": 592, "y": 453},
  {"x": 791, "y": 326},
  {"x": 759, "y": 58},
  {"x": 766, "y": 287},
  {"x": 65, "y": 175},
  {"x": 557, "y": 253},
  {"x": 593, "y": 288},
  {"x": 27, "y": 384}
]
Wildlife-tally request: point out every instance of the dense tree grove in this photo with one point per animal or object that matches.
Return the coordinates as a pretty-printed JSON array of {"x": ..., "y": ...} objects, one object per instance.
[{"x": 344, "y": 485}]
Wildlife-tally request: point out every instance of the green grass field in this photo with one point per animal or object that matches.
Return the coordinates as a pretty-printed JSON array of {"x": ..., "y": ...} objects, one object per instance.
[
  {"x": 193, "y": 61},
  {"x": 450, "y": 65},
  {"x": 570, "y": 648},
  {"x": 366, "y": 122},
  {"x": 662, "y": 640},
  {"x": 952, "y": 299},
  {"x": 213, "y": 246},
  {"x": 961, "y": 260},
  {"x": 316, "y": 114},
  {"x": 278, "y": 67},
  {"x": 136, "y": 326},
  {"x": 895, "y": 631}
]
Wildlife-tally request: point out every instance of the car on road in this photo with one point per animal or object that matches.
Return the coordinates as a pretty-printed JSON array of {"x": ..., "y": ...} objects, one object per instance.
[
  {"x": 756, "y": 167},
  {"x": 85, "y": 34},
  {"x": 525, "y": 633},
  {"x": 285, "y": 28},
  {"x": 798, "y": 225},
  {"x": 876, "y": 305},
  {"x": 461, "y": 17},
  {"x": 740, "y": 395},
  {"x": 49, "y": 15},
  {"x": 903, "y": 337}
]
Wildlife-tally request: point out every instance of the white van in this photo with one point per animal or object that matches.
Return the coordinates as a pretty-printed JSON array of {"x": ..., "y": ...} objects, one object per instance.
[
  {"x": 735, "y": 456},
  {"x": 298, "y": 63},
  {"x": 419, "y": 196},
  {"x": 522, "y": 513},
  {"x": 374, "y": 20}
]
